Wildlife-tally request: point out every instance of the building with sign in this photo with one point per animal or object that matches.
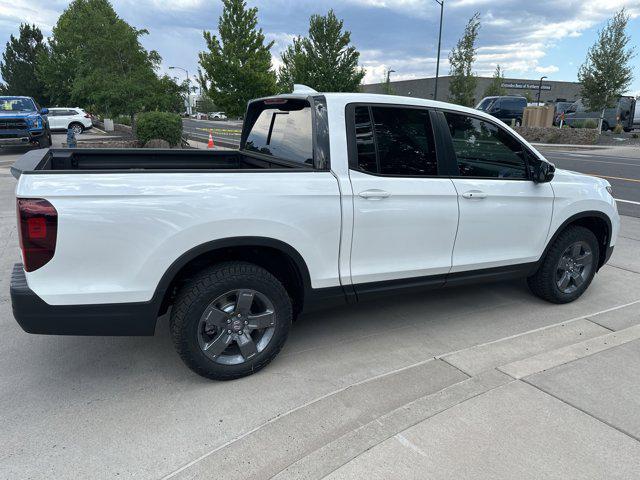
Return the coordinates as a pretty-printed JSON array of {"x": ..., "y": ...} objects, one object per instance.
[{"x": 550, "y": 91}]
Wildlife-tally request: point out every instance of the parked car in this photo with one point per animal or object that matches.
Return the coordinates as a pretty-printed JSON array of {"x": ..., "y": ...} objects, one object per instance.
[
  {"x": 23, "y": 122},
  {"x": 217, "y": 116},
  {"x": 331, "y": 199},
  {"x": 63, "y": 118},
  {"x": 505, "y": 108},
  {"x": 560, "y": 108},
  {"x": 623, "y": 113}
]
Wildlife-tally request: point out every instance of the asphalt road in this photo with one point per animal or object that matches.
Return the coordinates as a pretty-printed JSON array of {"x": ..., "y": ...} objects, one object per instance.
[
  {"x": 622, "y": 170},
  {"x": 226, "y": 133}
]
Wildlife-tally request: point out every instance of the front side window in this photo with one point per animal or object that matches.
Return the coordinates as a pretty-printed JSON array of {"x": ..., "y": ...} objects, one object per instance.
[
  {"x": 485, "y": 150},
  {"x": 395, "y": 141},
  {"x": 283, "y": 130}
]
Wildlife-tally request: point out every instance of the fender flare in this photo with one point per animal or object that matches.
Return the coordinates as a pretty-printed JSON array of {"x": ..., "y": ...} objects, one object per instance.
[
  {"x": 573, "y": 218},
  {"x": 188, "y": 256}
]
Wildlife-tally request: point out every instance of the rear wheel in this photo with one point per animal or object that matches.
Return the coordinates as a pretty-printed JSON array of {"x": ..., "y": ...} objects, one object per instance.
[
  {"x": 77, "y": 128},
  {"x": 231, "y": 320},
  {"x": 568, "y": 267}
]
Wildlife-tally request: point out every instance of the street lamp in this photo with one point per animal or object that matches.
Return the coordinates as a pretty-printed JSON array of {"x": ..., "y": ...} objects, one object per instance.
[
  {"x": 188, "y": 87},
  {"x": 540, "y": 89},
  {"x": 441, "y": 3},
  {"x": 389, "y": 72}
]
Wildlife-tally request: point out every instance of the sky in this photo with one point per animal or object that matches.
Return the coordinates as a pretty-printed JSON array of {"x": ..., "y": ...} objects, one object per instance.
[{"x": 527, "y": 38}]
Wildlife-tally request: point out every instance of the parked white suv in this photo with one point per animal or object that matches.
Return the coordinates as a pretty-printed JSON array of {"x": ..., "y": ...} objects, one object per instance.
[
  {"x": 331, "y": 199},
  {"x": 64, "y": 118}
]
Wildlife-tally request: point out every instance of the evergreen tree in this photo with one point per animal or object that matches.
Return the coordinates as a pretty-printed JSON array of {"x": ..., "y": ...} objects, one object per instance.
[
  {"x": 495, "y": 88},
  {"x": 606, "y": 74},
  {"x": 324, "y": 60},
  {"x": 237, "y": 65},
  {"x": 463, "y": 84},
  {"x": 19, "y": 65}
]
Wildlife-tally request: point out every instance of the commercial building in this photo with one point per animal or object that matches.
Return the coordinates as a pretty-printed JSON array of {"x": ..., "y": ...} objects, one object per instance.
[{"x": 551, "y": 91}]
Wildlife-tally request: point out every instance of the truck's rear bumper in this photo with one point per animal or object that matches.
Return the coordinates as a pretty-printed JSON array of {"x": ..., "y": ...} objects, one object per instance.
[{"x": 36, "y": 316}]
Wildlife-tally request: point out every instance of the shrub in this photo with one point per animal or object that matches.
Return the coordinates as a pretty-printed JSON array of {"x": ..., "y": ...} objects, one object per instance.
[
  {"x": 590, "y": 124},
  {"x": 635, "y": 135},
  {"x": 123, "y": 120},
  {"x": 618, "y": 129},
  {"x": 160, "y": 125}
]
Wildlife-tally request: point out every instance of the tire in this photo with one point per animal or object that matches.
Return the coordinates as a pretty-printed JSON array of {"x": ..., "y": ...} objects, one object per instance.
[
  {"x": 77, "y": 128},
  {"x": 208, "y": 307},
  {"x": 45, "y": 140},
  {"x": 548, "y": 280},
  {"x": 605, "y": 126}
]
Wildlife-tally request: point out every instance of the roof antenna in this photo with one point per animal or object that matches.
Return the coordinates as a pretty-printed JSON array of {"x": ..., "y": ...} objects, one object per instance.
[{"x": 299, "y": 88}]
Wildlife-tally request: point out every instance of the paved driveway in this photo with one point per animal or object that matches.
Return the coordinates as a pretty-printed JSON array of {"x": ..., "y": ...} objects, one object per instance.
[{"x": 475, "y": 382}]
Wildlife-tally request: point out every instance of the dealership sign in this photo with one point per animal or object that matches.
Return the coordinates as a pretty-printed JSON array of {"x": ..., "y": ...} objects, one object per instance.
[{"x": 525, "y": 86}]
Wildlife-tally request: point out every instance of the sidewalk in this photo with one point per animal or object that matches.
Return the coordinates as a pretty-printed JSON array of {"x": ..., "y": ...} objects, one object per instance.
[{"x": 558, "y": 402}]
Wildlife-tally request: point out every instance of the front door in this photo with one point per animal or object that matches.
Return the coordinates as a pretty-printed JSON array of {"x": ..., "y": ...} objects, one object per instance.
[
  {"x": 504, "y": 216},
  {"x": 405, "y": 215}
]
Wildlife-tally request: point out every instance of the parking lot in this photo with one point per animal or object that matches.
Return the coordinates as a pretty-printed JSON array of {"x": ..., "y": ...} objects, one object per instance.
[{"x": 474, "y": 382}]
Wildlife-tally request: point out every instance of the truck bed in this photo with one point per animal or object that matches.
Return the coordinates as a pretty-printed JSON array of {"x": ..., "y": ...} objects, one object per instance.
[{"x": 123, "y": 160}]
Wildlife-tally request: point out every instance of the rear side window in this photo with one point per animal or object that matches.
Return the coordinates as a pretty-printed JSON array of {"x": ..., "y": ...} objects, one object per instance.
[
  {"x": 282, "y": 129},
  {"x": 395, "y": 141},
  {"x": 485, "y": 150}
]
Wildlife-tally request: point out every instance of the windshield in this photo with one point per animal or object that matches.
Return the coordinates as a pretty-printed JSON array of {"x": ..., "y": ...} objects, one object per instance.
[
  {"x": 9, "y": 104},
  {"x": 485, "y": 103}
]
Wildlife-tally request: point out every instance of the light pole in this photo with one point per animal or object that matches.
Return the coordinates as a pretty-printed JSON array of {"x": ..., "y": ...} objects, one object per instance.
[
  {"x": 389, "y": 72},
  {"x": 188, "y": 87},
  {"x": 540, "y": 89},
  {"x": 441, "y": 3}
]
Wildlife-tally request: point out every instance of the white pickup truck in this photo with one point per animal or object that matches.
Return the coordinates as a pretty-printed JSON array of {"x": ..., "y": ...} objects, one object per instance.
[{"x": 332, "y": 198}]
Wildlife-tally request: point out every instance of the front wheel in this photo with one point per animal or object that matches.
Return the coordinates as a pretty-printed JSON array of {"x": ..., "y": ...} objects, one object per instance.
[
  {"x": 230, "y": 320},
  {"x": 568, "y": 267},
  {"x": 45, "y": 140}
]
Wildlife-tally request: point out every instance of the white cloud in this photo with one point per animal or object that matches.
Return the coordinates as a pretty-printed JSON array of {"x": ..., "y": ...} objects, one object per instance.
[{"x": 547, "y": 69}]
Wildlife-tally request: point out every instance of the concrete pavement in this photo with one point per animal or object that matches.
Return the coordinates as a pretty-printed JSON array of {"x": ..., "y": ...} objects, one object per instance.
[{"x": 416, "y": 386}]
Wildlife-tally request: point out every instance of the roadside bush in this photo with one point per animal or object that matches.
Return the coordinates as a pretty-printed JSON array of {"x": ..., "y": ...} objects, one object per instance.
[
  {"x": 590, "y": 124},
  {"x": 123, "y": 120},
  {"x": 635, "y": 135},
  {"x": 159, "y": 125},
  {"x": 618, "y": 129}
]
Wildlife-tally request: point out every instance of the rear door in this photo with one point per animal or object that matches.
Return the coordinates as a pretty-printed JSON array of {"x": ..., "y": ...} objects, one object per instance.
[
  {"x": 504, "y": 216},
  {"x": 405, "y": 214}
]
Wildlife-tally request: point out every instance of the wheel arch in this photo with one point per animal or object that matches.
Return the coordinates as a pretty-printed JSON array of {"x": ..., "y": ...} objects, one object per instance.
[
  {"x": 279, "y": 258},
  {"x": 596, "y": 221}
]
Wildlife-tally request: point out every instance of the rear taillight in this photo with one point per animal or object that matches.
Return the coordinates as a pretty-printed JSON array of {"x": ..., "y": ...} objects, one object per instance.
[{"x": 38, "y": 229}]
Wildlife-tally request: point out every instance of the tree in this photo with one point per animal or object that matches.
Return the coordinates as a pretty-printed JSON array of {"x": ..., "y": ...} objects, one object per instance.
[
  {"x": 606, "y": 74},
  {"x": 96, "y": 60},
  {"x": 463, "y": 84},
  {"x": 237, "y": 65},
  {"x": 324, "y": 60},
  {"x": 495, "y": 88},
  {"x": 19, "y": 65}
]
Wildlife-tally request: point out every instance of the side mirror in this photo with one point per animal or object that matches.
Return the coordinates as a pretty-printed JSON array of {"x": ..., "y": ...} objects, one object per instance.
[
  {"x": 44, "y": 111},
  {"x": 543, "y": 172}
]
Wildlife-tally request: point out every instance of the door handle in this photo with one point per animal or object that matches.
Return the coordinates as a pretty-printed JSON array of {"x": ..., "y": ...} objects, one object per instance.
[
  {"x": 473, "y": 194},
  {"x": 374, "y": 194}
]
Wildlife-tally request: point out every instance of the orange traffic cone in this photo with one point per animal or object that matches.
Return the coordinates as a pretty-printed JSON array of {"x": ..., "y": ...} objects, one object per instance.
[{"x": 210, "y": 144}]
